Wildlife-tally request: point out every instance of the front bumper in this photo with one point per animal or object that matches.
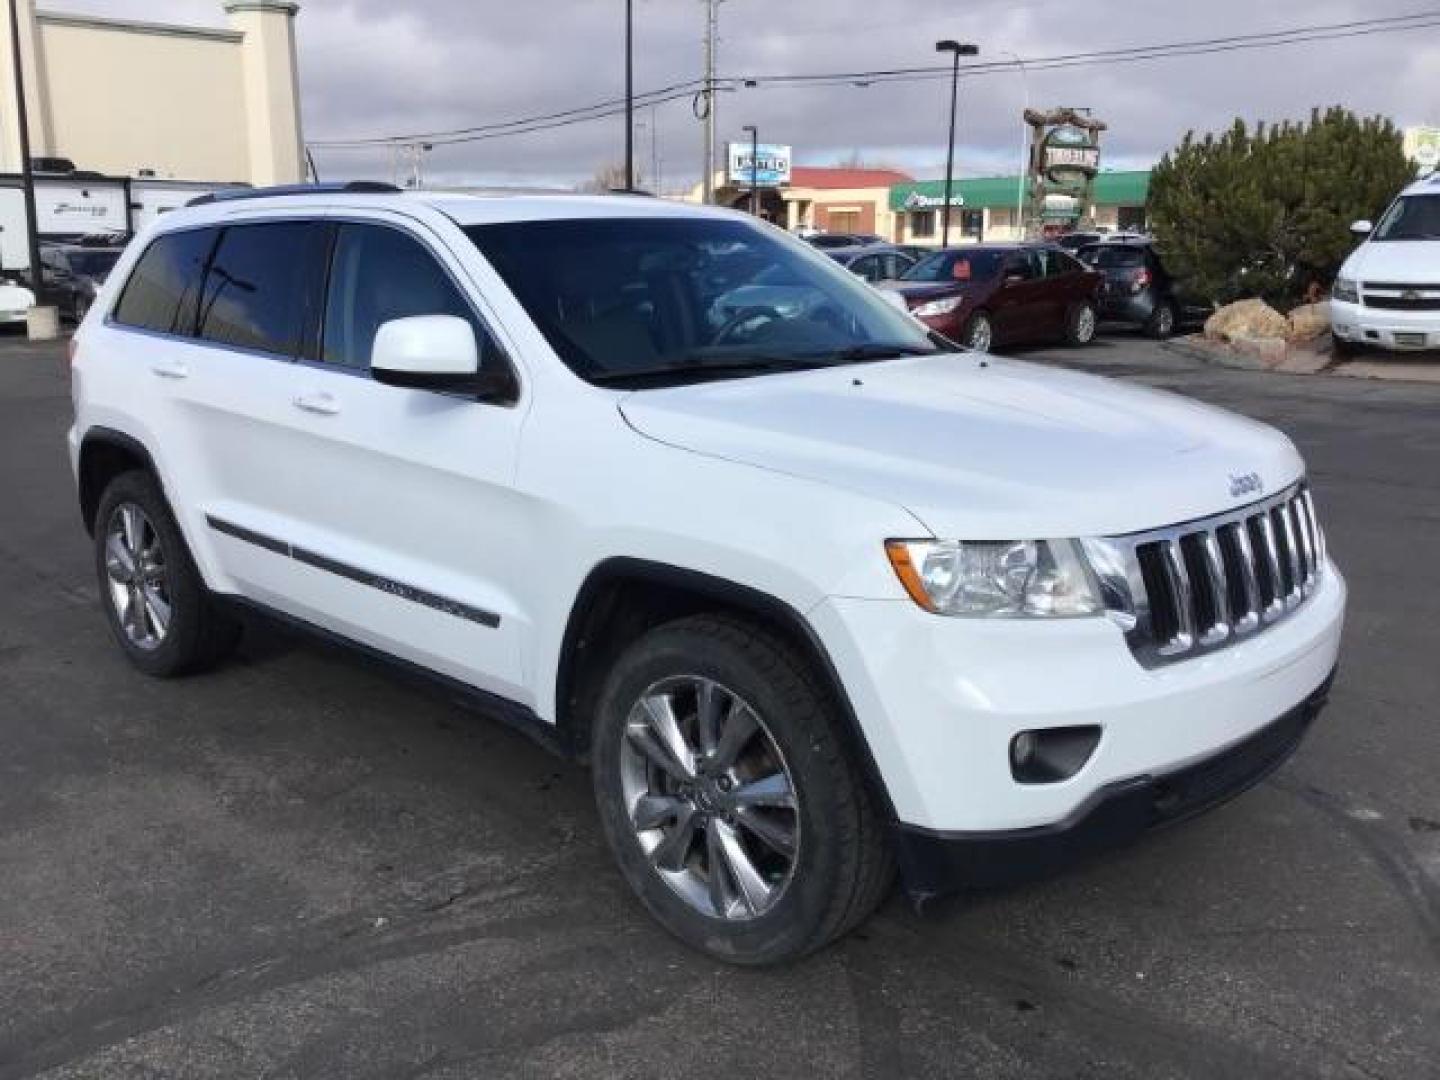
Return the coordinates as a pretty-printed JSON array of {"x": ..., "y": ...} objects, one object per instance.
[
  {"x": 940, "y": 700},
  {"x": 1400, "y": 330},
  {"x": 933, "y": 863}
]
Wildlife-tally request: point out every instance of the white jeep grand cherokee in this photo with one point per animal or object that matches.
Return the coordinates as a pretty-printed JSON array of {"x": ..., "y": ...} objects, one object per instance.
[{"x": 815, "y": 592}]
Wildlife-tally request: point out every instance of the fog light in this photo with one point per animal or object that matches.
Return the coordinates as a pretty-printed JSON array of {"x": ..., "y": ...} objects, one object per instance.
[{"x": 1048, "y": 755}]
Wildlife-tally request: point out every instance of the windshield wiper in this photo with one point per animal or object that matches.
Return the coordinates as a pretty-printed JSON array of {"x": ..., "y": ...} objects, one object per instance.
[
  {"x": 860, "y": 353},
  {"x": 747, "y": 365}
]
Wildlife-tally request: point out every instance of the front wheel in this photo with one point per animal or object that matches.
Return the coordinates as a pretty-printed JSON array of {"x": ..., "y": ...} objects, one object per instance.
[
  {"x": 728, "y": 797},
  {"x": 1080, "y": 324},
  {"x": 979, "y": 333}
]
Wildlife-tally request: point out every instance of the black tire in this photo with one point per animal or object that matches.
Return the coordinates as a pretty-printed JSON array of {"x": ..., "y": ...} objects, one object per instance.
[
  {"x": 1343, "y": 349},
  {"x": 198, "y": 635},
  {"x": 978, "y": 332},
  {"x": 82, "y": 308},
  {"x": 1080, "y": 323},
  {"x": 843, "y": 866},
  {"x": 1162, "y": 321}
]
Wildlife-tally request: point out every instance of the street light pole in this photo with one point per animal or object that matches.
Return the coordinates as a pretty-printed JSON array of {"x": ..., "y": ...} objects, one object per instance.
[
  {"x": 956, "y": 49},
  {"x": 27, "y": 174},
  {"x": 1024, "y": 148},
  {"x": 629, "y": 97},
  {"x": 754, "y": 168}
]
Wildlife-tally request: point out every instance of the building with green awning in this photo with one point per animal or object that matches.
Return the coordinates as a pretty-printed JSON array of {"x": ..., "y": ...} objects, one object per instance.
[{"x": 984, "y": 208}]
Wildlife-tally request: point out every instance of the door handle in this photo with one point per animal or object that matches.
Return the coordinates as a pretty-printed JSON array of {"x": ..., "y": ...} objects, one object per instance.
[
  {"x": 170, "y": 369},
  {"x": 321, "y": 403}
]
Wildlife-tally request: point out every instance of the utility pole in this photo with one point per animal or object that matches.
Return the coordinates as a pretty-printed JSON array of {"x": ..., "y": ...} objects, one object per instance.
[
  {"x": 629, "y": 96},
  {"x": 707, "y": 180},
  {"x": 27, "y": 174}
]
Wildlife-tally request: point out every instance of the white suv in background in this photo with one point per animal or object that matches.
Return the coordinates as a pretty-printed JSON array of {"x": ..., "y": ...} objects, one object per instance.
[
  {"x": 1387, "y": 293},
  {"x": 813, "y": 591}
]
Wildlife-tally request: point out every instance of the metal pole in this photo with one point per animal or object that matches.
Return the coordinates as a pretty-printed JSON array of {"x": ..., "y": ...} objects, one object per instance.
[
  {"x": 27, "y": 174},
  {"x": 654, "y": 153},
  {"x": 754, "y": 171},
  {"x": 707, "y": 181},
  {"x": 629, "y": 97},
  {"x": 950, "y": 150},
  {"x": 1024, "y": 153}
]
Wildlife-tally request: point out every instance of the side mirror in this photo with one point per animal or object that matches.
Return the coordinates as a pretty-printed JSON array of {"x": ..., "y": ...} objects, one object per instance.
[
  {"x": 1361, "y": 228},
  {"x": 435, "y": 352}
]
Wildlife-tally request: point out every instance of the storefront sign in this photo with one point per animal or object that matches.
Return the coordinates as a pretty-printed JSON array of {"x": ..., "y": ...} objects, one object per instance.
[
  {"x": 1422, "y": 146},
  {"x": 1070, "y": 156},
  {"x": 771, "y": 167},
  {"x": 918, "y": 200}
]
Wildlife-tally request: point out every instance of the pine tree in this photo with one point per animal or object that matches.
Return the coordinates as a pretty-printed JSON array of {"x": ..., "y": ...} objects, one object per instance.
[{"x": 1267, "y": 212}]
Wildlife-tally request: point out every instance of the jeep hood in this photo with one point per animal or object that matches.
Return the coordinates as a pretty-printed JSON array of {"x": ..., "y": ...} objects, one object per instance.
[
  {"x": 980, "y": 448},
  {"x": 1398, "y": 262}
]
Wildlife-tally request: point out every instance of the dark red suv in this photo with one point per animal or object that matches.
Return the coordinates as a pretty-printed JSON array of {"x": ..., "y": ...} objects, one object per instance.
[{"x": 1003, "y": 294}]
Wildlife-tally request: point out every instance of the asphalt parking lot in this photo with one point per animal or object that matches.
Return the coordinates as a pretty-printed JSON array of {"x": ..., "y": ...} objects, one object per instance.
[{"x": 298, "y": 867}]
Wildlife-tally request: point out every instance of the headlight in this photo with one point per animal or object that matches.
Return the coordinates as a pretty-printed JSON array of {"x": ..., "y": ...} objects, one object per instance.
[
  {"x": 1007, "y": 578},
  {"x": 1345, "y": 290},
  {"x": 932, "y": 308}
]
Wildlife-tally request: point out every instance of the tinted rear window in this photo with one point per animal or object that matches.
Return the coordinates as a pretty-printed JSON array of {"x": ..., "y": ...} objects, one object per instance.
[
  {"x": 262, "y": 285},
  {"x": 1113, "y": 257},
  {"x": 163, "y": 288}
]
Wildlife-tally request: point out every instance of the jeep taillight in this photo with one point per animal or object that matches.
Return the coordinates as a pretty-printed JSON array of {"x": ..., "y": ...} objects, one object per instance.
[{"x": 1141, "y": 280}]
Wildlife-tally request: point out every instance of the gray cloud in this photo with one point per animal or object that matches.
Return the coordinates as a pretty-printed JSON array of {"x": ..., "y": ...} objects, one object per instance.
[{"x": 374, "y": 67}]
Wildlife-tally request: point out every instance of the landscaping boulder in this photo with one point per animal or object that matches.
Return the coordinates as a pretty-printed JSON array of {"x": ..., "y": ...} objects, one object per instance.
[
  {"x": 1267, "y": 353},
  {"x": 1248, "y": 319},
  {"x": 1309, "y": 321}
]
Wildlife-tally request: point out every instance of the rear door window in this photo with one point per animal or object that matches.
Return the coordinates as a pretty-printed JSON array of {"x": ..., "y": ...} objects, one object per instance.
[
  {"x": 164, "y": 287},
  {"x": 263, "y": 285}
]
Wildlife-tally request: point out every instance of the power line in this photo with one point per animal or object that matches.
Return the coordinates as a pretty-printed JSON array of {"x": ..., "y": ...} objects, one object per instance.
[{"x": 1130, "y": 54}]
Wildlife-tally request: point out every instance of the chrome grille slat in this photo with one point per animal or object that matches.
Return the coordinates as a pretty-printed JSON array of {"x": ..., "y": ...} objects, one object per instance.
[
  {"x": 1219, "y": 630},
  {"x": 1200, "y": 586},
  {"x": 1249, "y": 619},
  {"x": 1179, "y": 578},
  {"x": 1275, "y": 605},
  {"x": 1292, "y": 551}
]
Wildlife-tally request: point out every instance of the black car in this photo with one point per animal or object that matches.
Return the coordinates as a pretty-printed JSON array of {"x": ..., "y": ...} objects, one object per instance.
[
  {"x": 873, "y": 262},
  {"x": 1139, "y": 290},
  {"x": 75, "y": 272},
  {"x": 824, "y": 241}
]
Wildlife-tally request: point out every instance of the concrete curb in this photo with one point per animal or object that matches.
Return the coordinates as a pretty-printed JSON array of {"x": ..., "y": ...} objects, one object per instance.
[{"x": 1375, "y": 366}]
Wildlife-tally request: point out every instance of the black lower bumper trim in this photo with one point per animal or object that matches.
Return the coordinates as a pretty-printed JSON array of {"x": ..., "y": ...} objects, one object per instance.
[{"x": 932, "y": 862}]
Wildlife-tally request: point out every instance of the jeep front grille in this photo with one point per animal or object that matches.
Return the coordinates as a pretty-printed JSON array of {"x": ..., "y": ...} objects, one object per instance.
[{"x": 1190, "y": 589}]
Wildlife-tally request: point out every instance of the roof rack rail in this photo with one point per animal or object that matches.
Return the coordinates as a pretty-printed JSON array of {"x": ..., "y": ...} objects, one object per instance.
[{"x": 349, "y": 187}]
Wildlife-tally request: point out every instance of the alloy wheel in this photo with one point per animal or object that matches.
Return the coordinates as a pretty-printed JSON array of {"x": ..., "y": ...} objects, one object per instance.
[
  {"x": 981, "y": 336},
  {"x": 710, "y": 798},
  {"x": 135, "y": 573},
  {"x": 1085, "y": 325}
]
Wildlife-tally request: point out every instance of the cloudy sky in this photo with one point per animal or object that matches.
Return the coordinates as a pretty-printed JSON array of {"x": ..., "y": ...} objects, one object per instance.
[{"x": 377, "y": 67}]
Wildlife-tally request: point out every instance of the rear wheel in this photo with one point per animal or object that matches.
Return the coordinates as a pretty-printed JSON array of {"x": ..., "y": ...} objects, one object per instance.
[
  {"x": 1080, "y": 324},
  {"x": 158, "y": 608},
  {"x": 979, "y": 333},
  {"x": 732, "y": 806},
  {"x": 1161, "y": 323}
]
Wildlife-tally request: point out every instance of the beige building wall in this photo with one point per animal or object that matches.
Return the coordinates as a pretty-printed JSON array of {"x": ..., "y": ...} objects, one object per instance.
[{"x": 189, "y": 103}]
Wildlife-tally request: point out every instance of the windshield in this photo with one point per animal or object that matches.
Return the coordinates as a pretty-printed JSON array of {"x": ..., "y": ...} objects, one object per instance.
[
  {"x": 93, "y": 264},
  {"x": 1112, "y": 256},
  {"x": 1412, "y": 217},
  {"x": 956, "y": 266},
  {"x": 641, "y": 301}
]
